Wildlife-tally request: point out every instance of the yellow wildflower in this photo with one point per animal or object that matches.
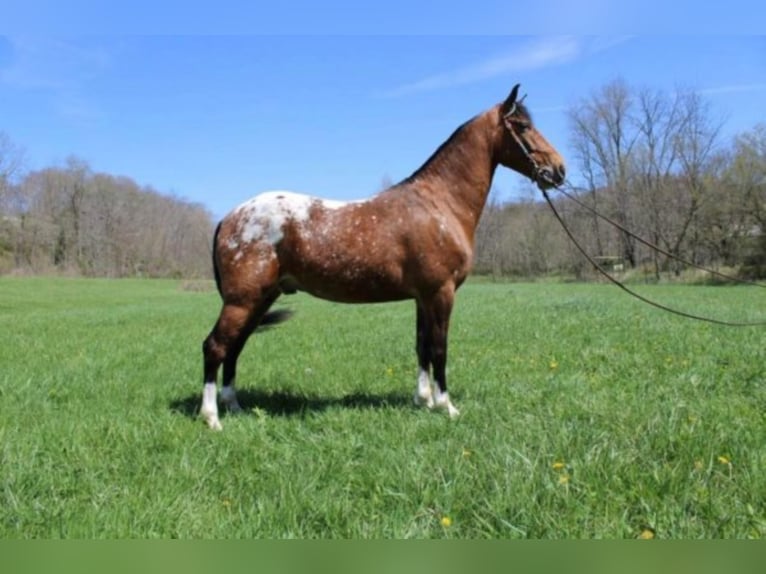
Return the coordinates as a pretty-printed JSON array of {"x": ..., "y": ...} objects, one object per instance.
[
  {"x": 446, "y": 521},
  {"x": 646, "y": 534},
  {"x": 564, "y": 479},
  {"x": 558, "y": 465},
  {"x": 724, "y": 460}
]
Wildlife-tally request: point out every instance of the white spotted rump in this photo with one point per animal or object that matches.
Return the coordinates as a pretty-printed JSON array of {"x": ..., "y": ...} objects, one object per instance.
[{"x": 263, "y": 217}]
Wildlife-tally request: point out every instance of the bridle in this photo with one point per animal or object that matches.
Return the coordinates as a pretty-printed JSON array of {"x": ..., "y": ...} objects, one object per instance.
[{"x": 540, "y": 173}]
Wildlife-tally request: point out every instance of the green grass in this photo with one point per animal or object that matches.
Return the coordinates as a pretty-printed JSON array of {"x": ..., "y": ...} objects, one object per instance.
[{"x": 657, "y": 422}]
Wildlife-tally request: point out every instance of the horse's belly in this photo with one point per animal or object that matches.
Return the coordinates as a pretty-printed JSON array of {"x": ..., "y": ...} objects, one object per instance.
[
  {"x": 344, "y": 256},
  {"x": 347, "y": 283}
]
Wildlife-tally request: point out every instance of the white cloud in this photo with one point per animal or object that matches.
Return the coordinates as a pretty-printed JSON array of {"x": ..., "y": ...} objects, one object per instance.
[{"x": 530, "y": 56}]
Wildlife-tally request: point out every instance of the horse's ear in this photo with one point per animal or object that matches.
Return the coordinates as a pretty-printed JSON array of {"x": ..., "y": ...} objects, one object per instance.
[{"x": 510, "y": 101}]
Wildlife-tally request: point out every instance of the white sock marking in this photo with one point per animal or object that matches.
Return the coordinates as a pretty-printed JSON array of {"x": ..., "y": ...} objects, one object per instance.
[
  {"x": 209, "y": 409},
  {"x": 423, "y": 394},
  {"x": 441, "y": 401}
]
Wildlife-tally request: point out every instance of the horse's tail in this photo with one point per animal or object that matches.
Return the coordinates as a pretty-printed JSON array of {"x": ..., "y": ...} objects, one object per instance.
[
  {"x": 216, "y": 271},
  {"x": 271, "y": 318}
]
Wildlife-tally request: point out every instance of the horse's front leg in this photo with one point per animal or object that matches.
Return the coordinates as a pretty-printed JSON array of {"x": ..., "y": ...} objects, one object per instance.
[
  {"x": 436, "y": 313},
  {"x": 423, "y": 393}
]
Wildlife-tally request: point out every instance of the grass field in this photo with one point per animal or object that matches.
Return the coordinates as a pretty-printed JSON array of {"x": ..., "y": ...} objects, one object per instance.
[{"x": 584, "y": 414}]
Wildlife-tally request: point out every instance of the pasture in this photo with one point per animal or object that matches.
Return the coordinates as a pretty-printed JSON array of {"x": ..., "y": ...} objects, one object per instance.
[{"x": 584, "y": 414}]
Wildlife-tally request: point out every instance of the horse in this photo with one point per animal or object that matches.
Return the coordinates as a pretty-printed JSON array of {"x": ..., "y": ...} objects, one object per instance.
[{"x": 414, "y": 240}]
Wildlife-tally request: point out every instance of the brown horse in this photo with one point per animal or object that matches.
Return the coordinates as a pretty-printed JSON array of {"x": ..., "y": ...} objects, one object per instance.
[{"x": 412, "y": 241}]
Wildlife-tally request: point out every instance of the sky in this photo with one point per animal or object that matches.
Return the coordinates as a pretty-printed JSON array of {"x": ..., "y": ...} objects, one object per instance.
[{"x": 216, "y": 119}]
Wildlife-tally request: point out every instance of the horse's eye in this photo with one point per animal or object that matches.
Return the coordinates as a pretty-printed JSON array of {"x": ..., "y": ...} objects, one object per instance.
[{"x": 519, "y": 125}]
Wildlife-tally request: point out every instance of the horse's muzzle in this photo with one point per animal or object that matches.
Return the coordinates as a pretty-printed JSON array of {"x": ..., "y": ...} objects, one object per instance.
[{"x": 548, "y": 177}]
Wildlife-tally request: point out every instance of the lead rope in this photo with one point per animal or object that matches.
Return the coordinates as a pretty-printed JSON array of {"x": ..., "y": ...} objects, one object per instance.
[
  {"x": 603, "y": 272},
  {"x": 651, "y": 245},
  {"x": 619, "y": 284}
]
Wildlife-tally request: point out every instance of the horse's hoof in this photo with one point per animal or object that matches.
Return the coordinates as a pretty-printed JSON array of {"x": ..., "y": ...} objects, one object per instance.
[
  {"x": 423, "y": 401},
  {"x": 234, "y": 408},
  {"x": 212, "y": 422},
  {"x": 443, "y": 402}
]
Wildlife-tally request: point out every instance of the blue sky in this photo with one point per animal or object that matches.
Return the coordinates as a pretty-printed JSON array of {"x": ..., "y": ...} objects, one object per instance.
[{"x": 216, "y": 119}]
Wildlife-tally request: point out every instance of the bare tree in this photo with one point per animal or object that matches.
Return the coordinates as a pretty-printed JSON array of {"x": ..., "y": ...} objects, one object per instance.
[
  {"x": 490, "y": 237},
  {"x": 11, "y": 165},
  {"x": 603, "y": 137},
  {"x": 747, "y": 171},
  {"x": 658, "y": 122},
  {"x": 745, "y": 179},
  {"x": 649, "y": 162},
  {"x": 77, "y": 221},
  {"x": 696, "y": 143}
]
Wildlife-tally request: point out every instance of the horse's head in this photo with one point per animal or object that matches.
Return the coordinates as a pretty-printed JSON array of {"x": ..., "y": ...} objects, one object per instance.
[{"x": 524, "y": 149}]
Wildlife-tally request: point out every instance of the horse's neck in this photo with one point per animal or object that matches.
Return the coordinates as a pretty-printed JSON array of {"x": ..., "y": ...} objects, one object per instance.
[{"x": 459, "y": 174}]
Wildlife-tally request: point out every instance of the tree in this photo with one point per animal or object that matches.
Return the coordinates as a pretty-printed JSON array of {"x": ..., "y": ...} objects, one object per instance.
[
  {"x": 489, "y": 238},
  {"x": 76, "y": 221},
  {"x": 11, "y": 165},
  {"x": 745, "y": 178},
  {"x": 658, "y": 121},
  {"x": 650, "y": 162},
  {"x": 603, "y": 137}
]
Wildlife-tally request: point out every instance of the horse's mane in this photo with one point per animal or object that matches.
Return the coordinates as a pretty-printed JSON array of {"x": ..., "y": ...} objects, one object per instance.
[{"x": 452, "y": 142}]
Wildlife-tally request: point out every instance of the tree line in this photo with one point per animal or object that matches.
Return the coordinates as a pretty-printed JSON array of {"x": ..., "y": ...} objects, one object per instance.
[
  {"x": 71, "y": 220},
  {"x": 655, "y": 163}
]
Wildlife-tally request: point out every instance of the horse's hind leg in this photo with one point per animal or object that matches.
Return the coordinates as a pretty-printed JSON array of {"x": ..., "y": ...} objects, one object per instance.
[
  {"x": 223, "y": 345},
  {"x": 228, "y": 392},
  {"x": 217, "y": 346}
]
